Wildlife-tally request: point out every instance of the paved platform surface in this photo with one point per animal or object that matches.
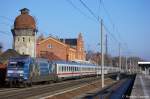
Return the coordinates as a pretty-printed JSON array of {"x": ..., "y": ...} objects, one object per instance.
[{"x": 141, "y": 87}]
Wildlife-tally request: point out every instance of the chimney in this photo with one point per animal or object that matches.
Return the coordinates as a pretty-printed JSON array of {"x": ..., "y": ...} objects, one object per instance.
[{"x": 24, "y": 11}]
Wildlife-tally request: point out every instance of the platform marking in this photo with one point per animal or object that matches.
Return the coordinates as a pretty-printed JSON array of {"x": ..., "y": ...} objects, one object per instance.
[{"x": 146, "y": 95}]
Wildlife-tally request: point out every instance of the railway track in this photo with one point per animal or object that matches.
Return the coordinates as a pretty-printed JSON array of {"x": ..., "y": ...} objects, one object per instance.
[
  {"x": 37, "y": 90},
  {"x": 7, "y": 89},
  {"x": 42, "y": 90}
]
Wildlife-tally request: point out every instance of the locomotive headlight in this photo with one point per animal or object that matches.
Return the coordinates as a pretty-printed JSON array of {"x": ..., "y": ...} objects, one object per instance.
[
  {"x": 8, "y": 74},
  {"x": 21, "y": 74},
  {"x": 25, "y": 78}
]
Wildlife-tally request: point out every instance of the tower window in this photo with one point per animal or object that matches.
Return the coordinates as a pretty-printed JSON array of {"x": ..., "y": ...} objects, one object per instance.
[
  {"x": 29, "y": 39},
  {"x": 49, "y": 45},
  {"x": 23, "y": 39},
  {"x": 18, "y": 39}
]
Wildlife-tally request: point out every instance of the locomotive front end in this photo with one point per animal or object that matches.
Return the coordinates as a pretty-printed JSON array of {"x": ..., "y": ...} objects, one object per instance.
[{"x": 17, "y": 71}]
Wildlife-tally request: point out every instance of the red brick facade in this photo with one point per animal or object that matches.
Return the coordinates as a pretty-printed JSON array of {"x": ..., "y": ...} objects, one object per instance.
[{"x": 55, "y": 49}]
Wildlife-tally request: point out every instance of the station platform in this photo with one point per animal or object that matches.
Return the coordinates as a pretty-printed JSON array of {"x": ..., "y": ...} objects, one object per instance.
[{"x": 141, "y": 87}]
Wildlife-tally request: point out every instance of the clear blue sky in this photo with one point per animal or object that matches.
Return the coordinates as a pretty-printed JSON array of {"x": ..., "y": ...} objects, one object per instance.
[{"x": 131, "y": 18}]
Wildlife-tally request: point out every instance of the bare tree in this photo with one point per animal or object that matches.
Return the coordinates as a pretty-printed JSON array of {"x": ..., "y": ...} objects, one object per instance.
[
  {"x": 1, "y": 47},
  {"x": 93, "y": 56}
]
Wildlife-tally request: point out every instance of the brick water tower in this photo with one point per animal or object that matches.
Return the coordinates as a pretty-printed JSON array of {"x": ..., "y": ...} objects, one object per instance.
[{"x": 24, "y": 34}]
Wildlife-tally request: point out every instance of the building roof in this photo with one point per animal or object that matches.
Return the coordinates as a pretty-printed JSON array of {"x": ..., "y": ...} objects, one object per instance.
[
  {"x": 71, "y": 42},
  {"x": 24, "y": 21},
  {"x": 143, "y": 62},
  {"x": 51, "y": 38},
  {"x": 7, "y": 54}
]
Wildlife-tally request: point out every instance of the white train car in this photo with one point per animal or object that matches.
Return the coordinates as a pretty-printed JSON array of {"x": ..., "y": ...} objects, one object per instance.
[
  {"x": 73, "y": 69},
  {"x": 65, "y": 70},
  {"x": 107, "y": 70},
  {"x": 98, "y": 69}
]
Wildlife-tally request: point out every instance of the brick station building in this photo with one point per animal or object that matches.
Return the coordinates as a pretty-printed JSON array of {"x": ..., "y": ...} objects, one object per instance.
[{"x": 61, "y": 49}]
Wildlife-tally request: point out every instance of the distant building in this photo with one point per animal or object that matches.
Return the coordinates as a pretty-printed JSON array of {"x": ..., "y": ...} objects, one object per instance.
[
  {"x": 24, "y": 31},
  {"x": 144, "y": 67},
  {"x": 7, "y": 54},
  {"x": 61, "y": 49}
]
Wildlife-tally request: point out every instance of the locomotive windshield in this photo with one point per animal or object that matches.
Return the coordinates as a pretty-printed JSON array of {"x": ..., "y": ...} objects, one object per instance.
[
  {"x": 20, "y": 64},
  {"x": 16, "y": 64}
]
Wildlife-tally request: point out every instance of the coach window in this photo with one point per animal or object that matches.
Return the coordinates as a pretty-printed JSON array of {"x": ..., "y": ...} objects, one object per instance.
[
  {"x": 62, "y": 68},
  {"x": 23, "y": 39},
  {"x": 67, "y": 68}
]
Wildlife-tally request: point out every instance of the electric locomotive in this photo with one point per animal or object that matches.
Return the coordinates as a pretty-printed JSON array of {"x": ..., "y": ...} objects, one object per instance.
[{"x": 26, "y": 70}]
